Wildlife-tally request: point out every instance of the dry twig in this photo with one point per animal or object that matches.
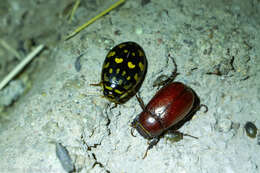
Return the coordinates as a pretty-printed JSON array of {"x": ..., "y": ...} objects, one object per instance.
[{"x": 20, "y": 66}]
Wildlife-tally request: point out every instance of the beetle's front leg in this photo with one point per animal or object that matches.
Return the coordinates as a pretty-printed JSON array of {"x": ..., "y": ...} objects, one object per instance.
[
  {"x": 140, "y": 100},
  {"x": 151, "y": 143}
]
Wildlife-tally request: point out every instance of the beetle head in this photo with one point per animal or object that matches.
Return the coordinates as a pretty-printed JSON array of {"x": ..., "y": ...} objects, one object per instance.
[{"x": 139, "y": 127}]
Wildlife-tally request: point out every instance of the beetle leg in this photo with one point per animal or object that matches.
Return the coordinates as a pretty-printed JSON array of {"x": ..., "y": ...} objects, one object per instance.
[
  {"x": 179, "y": 135},
  {"x": 174, "y": 73},
  {"x": 132, "y": 132},
  {"x": 170, "y": 78},
  {"x": 151, "y": 143},
  {"x": 185, "y": 134},
  {"x": 199, "y": 107},
  {"x": 97, "y": 84},
  {"x": 140, "y": 100},
  {"x": 205, "y": 106},
  {"x": 161, "y": 81},
  {"x": 133, "y": 125}
]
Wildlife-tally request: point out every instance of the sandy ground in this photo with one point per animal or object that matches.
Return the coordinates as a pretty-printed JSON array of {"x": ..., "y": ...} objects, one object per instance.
[{"x": 60, "y": 106}]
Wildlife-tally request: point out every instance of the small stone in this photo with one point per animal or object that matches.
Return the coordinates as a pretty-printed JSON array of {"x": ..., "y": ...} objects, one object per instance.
[{"x": 139, "y": 31}]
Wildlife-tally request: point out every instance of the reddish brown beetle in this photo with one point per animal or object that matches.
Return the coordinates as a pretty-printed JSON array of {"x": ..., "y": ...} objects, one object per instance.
[{"x": 170, "y": 105}]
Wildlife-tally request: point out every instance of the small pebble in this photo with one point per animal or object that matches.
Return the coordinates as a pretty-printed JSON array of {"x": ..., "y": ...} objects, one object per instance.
[
  {"x": 77, "y": 63},
  {"x": 12, "y": 92},
  {"x": 139, "y": 31},
  {"x": 144, "y": 2},
  {"x": 64, "y": 157},
  {"x": 235, "y": 126},
  {"x": 224, "y": 125},
  {"x": 251, "y": 129},
  {"x": 258, "y": 139}
]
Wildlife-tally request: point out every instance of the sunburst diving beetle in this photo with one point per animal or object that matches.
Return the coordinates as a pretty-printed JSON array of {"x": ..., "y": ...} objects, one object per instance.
[{"x": 123, "y": 72}]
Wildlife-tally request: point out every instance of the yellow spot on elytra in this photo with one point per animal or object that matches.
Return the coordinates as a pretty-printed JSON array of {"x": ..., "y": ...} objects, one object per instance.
[
  {"x": 108, "y": 87},
  {"x": 111, "y": 54},
  {"x": 136, "y": 76},
  {"x": 121, "y": 46},
  {"x": 133, "y": 53},
  {"x": 110, "y": 70},
  {"x": 125, "y": 51},
  {"x": 124, "y": 95},
  {"x": 111, "y": 97},
  {"x": 141, "y": 66},
  {"x": 123, "y": 73},
  {"x": 114, "y": 78},
  {"x": 130, "y": 64},
  {"x": 141, "y": 53},
  {"x": 127, "y": 86},
  {"x": 106, "y": 65},
  {"x": 128, "y": 78},
  {"x": 120, "y": 82},
  {"x": 117, "y": 70},
  {"x": 106, "y": 78},
  {"x": 118, "y": 60},
  {"x": 118, "y": 91}
]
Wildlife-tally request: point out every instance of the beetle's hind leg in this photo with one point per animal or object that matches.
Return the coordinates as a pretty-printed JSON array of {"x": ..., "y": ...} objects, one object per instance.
[
  {"x": 161, "y": 81},
  {"x": 175, "y": 135}
]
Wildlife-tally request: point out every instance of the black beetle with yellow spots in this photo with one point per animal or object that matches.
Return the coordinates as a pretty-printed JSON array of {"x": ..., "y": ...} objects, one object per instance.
[{"x": 123, "y": 72}]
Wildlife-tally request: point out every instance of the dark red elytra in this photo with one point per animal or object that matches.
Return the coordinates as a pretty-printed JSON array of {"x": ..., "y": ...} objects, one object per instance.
[
  {"x": 173, "y": 103},
  {"x": 170, "y": 105}
]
